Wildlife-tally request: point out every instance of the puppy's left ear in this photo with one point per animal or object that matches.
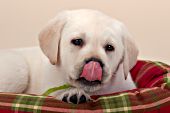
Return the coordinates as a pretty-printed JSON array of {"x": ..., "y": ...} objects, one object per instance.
[
  {"x": 130, "y": 51},
  {"x": 49, "y": 37}
]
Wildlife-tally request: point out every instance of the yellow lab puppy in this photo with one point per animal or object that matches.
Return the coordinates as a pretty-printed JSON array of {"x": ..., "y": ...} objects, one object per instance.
[{"x": 85, "y": 48}]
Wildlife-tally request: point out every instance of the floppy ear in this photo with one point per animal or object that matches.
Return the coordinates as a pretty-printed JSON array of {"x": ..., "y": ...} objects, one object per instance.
[
  {"x": 49, "y": 37},
  {"x": 130, "y": 52}
]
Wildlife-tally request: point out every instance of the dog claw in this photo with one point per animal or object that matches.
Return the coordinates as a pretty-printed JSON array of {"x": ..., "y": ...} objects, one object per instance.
[
  {"x": 75, "y": 96},
  {"x": 65, "y": 98},
  {"x": 82, "y": 99},
  {"x": 73, "y": 99}
]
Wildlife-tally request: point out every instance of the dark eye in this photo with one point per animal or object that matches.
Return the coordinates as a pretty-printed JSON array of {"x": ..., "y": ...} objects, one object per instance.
[
  {"x": 109, "y": 48},
  {"x": 77, "y": 42}
]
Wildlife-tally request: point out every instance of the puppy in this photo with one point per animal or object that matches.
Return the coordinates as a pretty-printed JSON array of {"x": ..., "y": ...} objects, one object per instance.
[{"x": 84, "y": 48}]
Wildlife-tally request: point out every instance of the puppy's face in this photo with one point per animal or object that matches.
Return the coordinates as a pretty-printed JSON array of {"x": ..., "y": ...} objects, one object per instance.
[
  {"x": 89, "y": 50},
  {"x": 86, "y": 45}
]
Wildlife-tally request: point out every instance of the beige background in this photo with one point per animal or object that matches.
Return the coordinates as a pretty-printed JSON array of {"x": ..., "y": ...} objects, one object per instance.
[{"x": 147, "y": 20}]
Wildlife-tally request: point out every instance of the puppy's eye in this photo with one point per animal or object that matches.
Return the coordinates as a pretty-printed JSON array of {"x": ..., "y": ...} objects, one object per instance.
[
  {"x": 77, "y": 42},
  {"x": 109, "y": 48}
]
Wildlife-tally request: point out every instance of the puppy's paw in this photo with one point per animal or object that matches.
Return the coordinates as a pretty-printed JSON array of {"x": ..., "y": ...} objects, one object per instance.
[{"x": 74, "y": 95}]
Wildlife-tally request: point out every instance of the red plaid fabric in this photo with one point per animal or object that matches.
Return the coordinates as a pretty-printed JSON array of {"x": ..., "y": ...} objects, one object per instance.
[
  {"x": 152, "y": 96},
  {"x": 148, "y": 74}
]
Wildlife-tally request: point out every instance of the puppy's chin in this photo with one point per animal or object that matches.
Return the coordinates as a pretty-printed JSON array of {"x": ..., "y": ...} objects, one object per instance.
[{"x": 86, "y": 85}]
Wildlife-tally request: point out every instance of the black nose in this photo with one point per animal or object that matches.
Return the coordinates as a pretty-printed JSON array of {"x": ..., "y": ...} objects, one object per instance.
[{"x": 95, "y": 59}]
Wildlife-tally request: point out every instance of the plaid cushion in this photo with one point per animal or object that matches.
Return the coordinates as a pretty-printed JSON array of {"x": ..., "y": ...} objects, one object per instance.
[{"x": 152, "y": 96}]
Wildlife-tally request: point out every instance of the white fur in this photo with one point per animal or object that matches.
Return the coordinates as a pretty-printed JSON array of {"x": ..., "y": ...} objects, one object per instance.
[
  {"x": 28, "y": 70},
  {"x": 14, "y": 72}
]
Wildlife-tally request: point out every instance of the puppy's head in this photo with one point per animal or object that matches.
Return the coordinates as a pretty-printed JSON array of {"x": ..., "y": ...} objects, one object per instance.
[{"x": 88, "y": 46}]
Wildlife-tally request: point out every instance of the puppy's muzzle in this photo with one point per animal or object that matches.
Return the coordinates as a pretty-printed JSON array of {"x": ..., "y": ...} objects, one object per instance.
[{"x": 92, "y": 72}]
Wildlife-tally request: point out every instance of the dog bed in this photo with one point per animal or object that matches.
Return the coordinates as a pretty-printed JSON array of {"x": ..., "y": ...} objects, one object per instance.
[{"x": 151, "y": 96}]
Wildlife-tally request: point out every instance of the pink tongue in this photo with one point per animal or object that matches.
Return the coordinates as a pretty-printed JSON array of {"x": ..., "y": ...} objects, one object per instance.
[{"x": 92, "y": 71}]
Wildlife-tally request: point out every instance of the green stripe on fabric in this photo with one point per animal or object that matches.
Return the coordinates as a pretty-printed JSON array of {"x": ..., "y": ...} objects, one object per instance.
[
  {"x": 116, "y": 104},
  {"x": 161, "y": 63},
  {"x": 163, "y": 66},
  {"x": 15, "y": 105},
  {"x": 167, "y": 81},
  {"x": 158, "y": 63},
  {"x": 167, "y": 73},
  {"x": 28, "y": 103},
  {"x": 154, "y": 98}
]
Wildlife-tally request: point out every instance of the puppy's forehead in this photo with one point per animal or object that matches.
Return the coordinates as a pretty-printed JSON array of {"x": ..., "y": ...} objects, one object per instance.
[
  {"x": 91, "y": 23},
  {"x": 84, "y": 18}
]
